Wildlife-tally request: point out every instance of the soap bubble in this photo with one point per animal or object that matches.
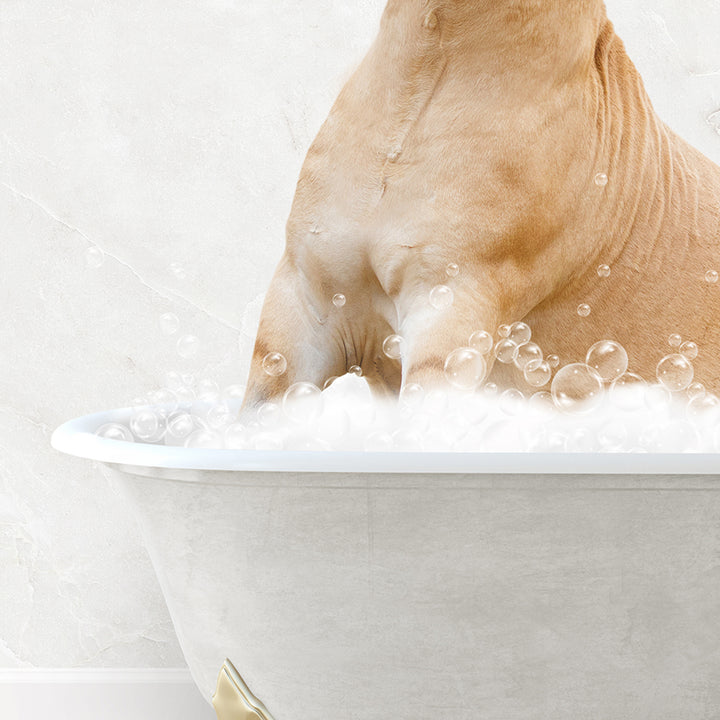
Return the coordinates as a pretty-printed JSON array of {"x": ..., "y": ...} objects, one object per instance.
[
  {"x": 526, "y": 353},
  {"x": 541, "y": 402},
  {"x": 412, "y": 395},
  {"x": 94, "y": 257},
  {"x": 675, "y": 340},
  {"x": 180, "y": 425},
  {"x": 178, "y": 270},
  {"x": 355, "y": 370},
  {"x": 169, "y": 323},
  {"x": 553, "y": 361},
  {"x": 145, "y": 424},
  {"x": 608, "y": 358},
  {"x": 339, "y": 300},
  {"x": 481, "y": 341},
  {"x": 302, "y": 402},
  {"x": 628, "y": 391},
  {"x": 657, "y": 397},
  {"x": 702, "y": 404},
  {"x": 675, "y": 372},
  {"x": 504, "y": 331},
  {"x": 164, "y": 400},
  {"x": 512, "y": 401},
  {"x": 115, "y": 431},
  {"x": 441, "y": 297},
  {"x": 269, "y": 413},
  {"x": 711, "y": 276},
  {"x": 394, "y": 346},
  {"x": 695, "y": 389},
  {"x": 184, "y": 395},
  {"x": 465, "y": 368},
  {"x": 188, "y": 346},
  {"x": 603, "y": 271},
  {"x": 329, "y": 382},
  {"x": 452, "y": 269},
  {"x": 537, "y": 373},
  {"x": 577, "y": 388},
  {"x": 601, "y": 179},
  {"x": 274, "y": 364},
  {"x": 203, "y": 439},
  {"x": 520, "y": 333},
  {"x": 583, "y": 310},
  {"x": 219, "y": 416},
  {"x": 490, "y": 389},
  {"x": 235, "y": 436},
  {"x": 506, "y": 351},
  {"x": 689, "y": 350}
]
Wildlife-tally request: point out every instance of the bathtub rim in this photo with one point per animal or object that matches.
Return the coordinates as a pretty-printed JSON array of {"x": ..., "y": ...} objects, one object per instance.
[{"x": 77, "y": 437}]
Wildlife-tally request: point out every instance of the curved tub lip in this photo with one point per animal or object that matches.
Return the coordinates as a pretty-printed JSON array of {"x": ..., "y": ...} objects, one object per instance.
[{"x": 77, "y": 437}]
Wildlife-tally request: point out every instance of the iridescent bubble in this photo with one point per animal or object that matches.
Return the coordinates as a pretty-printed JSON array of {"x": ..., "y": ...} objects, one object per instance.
[
  {"x": 711, "y": 276},
  {"x": 169, "y": 323},
  {"x": 274, "y": 364},
  {"x": 608, "y": 358},
  {"x": 537, "y": 373},
  {"x": 504, "y": 331},
  {"x": 583, "y": 310},
  {"x": 601, "y": 179},
  {"x": 553, "y": 360},
  {"x": 115, "y": 431},
  {"x": 235, "y": 436},
  {"x": 526, "y": 353},
  {"x": 145, "y": 424},
  {"x": 394, "y": 346},
  {"x": 506, "y": 351},
  {"x": 203, "y": 439},
  {"x": 481, "y": 341},
  {"x": 452, "y": 269},
  {"x": 188, "y": 346},
  {"x": 520, "y": 333},
  {"x": 441, "y": 297},
  {"x": 178, "y": 270},
  {"x": 180, "y": 425},
  {"x": 465, "y": 368},
  {"x": 675, "y": 340},
  {"x": 269, "y": 414},
  {"x": 689, "y": 350},
  {"x": 339, "y": 300},
  {"x": 302, "y": 402},
  {"x": 628, "y": 391},
  {"x": 577, "y": 388},
  {"x": 355, "y": 370},
  {"x": 675, "y": 372},
  {"x": 603, "y": 271}
]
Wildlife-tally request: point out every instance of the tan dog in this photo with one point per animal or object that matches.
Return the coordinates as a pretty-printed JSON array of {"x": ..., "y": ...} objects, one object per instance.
[{"x": 473, "y": 133}]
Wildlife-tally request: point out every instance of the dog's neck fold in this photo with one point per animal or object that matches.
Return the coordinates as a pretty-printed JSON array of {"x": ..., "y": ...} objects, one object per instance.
[{"x": 548, "y": 40}]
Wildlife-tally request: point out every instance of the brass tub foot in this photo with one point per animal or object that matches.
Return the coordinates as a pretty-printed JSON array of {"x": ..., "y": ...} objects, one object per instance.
[{"x": 233, "y": 700}]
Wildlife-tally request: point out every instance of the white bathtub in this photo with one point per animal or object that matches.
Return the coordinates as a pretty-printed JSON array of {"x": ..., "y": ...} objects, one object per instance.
[{"x": 353, "y": 586}]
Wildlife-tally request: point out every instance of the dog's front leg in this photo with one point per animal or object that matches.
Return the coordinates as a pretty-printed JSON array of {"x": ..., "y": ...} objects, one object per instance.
[{"x": 296, "y": 341}]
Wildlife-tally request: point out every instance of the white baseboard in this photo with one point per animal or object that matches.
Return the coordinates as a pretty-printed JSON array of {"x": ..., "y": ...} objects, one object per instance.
[{"x": 106, "y": 693}]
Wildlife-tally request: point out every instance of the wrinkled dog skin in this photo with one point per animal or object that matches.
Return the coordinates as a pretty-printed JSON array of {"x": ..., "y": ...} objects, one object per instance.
[{"x": 472, "y": 133}]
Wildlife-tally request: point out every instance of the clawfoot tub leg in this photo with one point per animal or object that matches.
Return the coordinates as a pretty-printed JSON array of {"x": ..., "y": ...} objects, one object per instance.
[{"x": 233, "y": 700}]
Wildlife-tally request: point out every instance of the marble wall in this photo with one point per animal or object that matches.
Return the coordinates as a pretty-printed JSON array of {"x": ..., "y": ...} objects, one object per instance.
[{"x": 165, "y": 138}]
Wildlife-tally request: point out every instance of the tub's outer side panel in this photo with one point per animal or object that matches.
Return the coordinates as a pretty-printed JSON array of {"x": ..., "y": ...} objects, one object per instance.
[{"x": 501, "y": 603}]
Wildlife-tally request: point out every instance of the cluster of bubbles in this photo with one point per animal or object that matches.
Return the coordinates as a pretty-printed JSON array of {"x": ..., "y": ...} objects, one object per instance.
[{"x": 598, "y": 405}]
